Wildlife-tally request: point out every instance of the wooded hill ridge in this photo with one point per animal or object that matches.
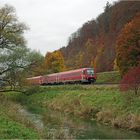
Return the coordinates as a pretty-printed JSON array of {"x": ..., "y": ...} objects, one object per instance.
[{"x": 94, "y": 44}]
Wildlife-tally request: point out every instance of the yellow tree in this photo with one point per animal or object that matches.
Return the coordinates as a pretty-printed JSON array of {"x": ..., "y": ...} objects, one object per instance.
[{"x": 54, "y": 62}]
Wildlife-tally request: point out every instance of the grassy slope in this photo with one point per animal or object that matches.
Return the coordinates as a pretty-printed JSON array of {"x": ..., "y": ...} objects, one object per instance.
[
  {"x": 12, "y": 129},
  {"x": 104, "y": 104},
  {"x": 108, "y": 77},
  {"x": 12, "y": 124}
]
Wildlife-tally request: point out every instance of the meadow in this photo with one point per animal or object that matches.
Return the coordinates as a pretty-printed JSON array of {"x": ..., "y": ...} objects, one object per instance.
[
  {"x": 13, "y": 124},
  {"x": 111, "y": 77},
  {"x": 104, "y": 104}
]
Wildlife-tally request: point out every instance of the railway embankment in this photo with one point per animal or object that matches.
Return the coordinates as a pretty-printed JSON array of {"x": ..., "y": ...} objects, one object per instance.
[
  {"x": 103, "y": 104},
  {"x": 111, "y": 77}
]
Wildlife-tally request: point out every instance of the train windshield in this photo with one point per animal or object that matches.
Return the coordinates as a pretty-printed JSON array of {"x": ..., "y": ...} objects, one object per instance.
[{"x": 90, "y": 72}]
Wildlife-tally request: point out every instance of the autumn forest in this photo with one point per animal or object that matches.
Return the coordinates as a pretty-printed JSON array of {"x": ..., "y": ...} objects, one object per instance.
[{"x": 97, "y": 42}]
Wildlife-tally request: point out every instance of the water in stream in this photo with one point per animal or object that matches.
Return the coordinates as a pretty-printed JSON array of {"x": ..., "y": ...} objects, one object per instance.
[{"x": 56, "y": 125}]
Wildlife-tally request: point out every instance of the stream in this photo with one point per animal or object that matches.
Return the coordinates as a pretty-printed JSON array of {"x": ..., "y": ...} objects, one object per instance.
[{"x": 56, "y": 125}]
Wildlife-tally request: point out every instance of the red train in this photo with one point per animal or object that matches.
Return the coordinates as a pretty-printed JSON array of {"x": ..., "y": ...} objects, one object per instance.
[{"x": 83, "y": 75}]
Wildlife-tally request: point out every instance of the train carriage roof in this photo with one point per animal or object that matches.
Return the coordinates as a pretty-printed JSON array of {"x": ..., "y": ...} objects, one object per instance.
[
  {"x": 36, "y": 77},
  {"x": 59, "y": 73},
  {"x": 66, "y": 72}
]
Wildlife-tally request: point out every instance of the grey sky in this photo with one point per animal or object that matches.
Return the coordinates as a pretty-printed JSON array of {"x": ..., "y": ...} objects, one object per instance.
[{"x": 51, "y": 22}]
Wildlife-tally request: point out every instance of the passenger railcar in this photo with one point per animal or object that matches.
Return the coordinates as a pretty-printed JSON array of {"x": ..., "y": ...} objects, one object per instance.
[
  {"x": 83, "y": 75},
  {"x": 38, "y": 80}
]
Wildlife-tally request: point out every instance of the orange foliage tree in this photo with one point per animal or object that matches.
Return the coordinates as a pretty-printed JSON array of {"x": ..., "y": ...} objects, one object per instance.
[
  {"x": 54, "y": 62},
  {"x": 128, "y": 46}
]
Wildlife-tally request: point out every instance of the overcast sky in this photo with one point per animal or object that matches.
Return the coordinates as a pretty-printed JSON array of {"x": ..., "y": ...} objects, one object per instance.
[{"x": 51, "y": 22}]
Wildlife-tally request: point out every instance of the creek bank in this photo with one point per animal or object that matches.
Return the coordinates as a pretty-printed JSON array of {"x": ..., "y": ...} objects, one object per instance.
[
  {"x": 104, "y": 104},
  {"x": 57, "y": 125},
  {"x": 108, "y": 107},
  {"x": 13, "y": 123},
  {"x": 106, "y": 117}
]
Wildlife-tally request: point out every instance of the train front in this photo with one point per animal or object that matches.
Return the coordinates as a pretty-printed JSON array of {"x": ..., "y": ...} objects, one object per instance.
[{"x": 90, "y": 75}]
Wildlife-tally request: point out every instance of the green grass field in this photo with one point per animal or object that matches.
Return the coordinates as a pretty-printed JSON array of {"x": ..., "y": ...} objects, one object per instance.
[
  {"x": 101, "y": 103},
  {"x": 111, "y": 77},
  {"x": 15, "y": 130},
  {"x": 12, "y": 124}
]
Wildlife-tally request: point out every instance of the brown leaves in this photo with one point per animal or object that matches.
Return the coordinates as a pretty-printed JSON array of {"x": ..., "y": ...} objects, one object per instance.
[{"x": 128, "y": 46}]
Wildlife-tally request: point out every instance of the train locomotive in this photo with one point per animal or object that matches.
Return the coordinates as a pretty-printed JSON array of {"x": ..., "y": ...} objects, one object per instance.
[{"x": 83, "y": 75}]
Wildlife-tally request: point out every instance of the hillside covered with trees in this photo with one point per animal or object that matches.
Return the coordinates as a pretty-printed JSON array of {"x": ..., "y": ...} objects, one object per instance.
[{"x": 94, "y": 44}]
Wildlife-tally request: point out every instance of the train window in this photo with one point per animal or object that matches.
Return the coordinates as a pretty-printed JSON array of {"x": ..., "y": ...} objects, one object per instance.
[{"x": 90, "y": 72}]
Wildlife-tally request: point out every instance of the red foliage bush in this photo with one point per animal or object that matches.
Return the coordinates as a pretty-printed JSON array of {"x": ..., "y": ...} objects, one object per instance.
[{"x": 131, "y": 80}]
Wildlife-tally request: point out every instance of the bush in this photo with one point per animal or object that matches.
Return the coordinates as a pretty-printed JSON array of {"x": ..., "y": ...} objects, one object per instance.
[
  {"x": 131, "y": 80},
  {"x": 32, "y": 90}
]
